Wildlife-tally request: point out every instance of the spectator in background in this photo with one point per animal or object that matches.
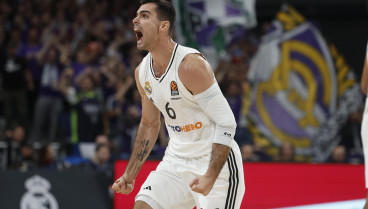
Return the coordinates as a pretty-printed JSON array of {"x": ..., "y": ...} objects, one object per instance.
[
  {"x": 47, "y": 159},
  {"x": 29, "y": 51},
  {"x": 15, "y": 138},
  {"x": 16, "y": 79},
  {"x": 129, "y": 120},
  {"x": 49, "y": 101},
  {"x": 248, "y": 153},
  {"x": 101, "y": 161},
  {"x": 87, "y": 108},
  {"x": 338, "y": 155},
  {"x": 286, "y": 153},
  {"x": 28, "y": 162},
  {"x": 115, "y": 109}
]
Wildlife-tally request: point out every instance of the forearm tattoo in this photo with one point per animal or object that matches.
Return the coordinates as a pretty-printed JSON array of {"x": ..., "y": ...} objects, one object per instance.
[{"x": 144, "y": 150}]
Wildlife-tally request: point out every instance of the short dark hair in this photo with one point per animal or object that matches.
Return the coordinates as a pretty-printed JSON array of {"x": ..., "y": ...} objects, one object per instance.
[{"x": 165, "y": 11}]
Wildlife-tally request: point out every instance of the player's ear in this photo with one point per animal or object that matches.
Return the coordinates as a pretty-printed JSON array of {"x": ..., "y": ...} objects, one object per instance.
[{"x": 164, "y": 25}]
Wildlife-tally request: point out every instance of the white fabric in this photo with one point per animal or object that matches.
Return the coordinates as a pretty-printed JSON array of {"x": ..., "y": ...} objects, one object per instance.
[
  {"x": 217, "y": 108},
  {"x": 151, "y": 202},
  {"x": 191, "y": 131},
  {"x": 87, "y": 149},
  {"x": 169, "y": 184}
]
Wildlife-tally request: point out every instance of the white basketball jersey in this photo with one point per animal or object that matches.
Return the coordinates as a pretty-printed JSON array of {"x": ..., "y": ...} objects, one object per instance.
[{"x": 191, "y": 132}]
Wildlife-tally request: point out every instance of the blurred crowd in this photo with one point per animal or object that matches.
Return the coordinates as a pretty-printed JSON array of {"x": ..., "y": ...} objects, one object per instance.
[{"x": 68, "y": 95}]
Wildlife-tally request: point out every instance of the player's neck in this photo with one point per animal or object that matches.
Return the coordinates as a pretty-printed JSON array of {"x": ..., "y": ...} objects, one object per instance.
[{"x": 161, "y": 56}]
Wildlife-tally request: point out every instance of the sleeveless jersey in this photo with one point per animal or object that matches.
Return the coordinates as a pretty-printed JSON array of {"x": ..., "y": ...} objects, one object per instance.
[{"x": 191, "y": 132}]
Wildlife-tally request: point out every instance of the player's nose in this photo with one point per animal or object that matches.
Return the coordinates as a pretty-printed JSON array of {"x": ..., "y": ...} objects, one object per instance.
[{"x": 135, "y": 20}]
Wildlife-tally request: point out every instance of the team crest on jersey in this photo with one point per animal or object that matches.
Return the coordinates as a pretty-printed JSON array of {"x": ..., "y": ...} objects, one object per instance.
[
  {"x": 174, "y": 88},
  {"x": 147, "y": 88}
]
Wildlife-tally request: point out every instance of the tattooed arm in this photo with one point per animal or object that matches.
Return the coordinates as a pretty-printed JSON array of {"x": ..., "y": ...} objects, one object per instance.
[{"x": 146, "y": 137}]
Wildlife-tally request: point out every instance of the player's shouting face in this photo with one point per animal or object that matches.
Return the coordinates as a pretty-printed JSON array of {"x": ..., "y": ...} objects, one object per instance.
[{"x": 147, "y": 26}]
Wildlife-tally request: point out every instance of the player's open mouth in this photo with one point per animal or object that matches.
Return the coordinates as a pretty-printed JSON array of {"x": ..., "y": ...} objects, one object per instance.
[{"x": 139, "y": 35}]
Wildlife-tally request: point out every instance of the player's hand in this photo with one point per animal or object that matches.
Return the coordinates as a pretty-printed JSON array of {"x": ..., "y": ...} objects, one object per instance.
[
  {"x": 202, "y": 184},
  {"x": 123, "y": 185}
]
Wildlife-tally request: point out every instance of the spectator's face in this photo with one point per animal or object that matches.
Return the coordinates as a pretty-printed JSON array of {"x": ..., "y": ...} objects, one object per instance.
[
  {"x": 11, "y": 51},
  {"x": 103, "y": 154},
  {"x": 50, "y": 155},
  {"x": 81, "y": 56},
  {"x": 26, "y": 151},
  {"x": 102, "y": 139},
  {"x": 86, "y": 84},
  {"x": 233, "y": 89},
  {"x": 15, "y": 36},
  {"x": 287, "y": 151},
  {"x": 339, "y": 154},
  {"x": 18, "y": 134},
  {"x": 45, "y": 18},
  {"x": 33, "y": 36},
  {"x": 247, "y": 152},
  {"x": 35, "y": 21},
  {"x": 51, "y": 55},
  {"x": 18, "y": 20}
]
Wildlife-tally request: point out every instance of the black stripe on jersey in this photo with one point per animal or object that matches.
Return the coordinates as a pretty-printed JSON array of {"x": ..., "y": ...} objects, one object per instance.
[
  {"x": 172, "y": 60},
  {"x": 233, "y": 181},
  {"x": 153, "y": 73}
]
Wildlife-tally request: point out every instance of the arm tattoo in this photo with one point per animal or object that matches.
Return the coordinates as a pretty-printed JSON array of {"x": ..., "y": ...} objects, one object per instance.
[{"x": 144, "y": 150}]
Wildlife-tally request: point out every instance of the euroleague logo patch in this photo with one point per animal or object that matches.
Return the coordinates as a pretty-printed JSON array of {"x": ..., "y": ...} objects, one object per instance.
[
  {"x": 174, "y": 88},
  {"x": 147, "y": 88}
]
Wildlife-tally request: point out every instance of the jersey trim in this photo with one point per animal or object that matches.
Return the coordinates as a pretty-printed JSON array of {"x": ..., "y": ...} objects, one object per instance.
[
  {"x": 233, "y": 181},
  {"x": 153, "y": 73},
  {"x": 168, "y": 68}
]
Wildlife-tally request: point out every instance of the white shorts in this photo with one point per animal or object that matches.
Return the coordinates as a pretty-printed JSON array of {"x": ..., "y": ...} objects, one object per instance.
[
  {"x": 168, "y": 185},
  {"x": 364, "y": 133}
]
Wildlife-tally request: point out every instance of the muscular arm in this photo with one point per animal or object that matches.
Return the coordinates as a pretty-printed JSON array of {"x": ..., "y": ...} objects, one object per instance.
[
  {"x": 146, "y": 135},
  {"x": 145, "y": 139},
  {"x": 197, "y": 76},
  {"x": 364, "y": 80}
]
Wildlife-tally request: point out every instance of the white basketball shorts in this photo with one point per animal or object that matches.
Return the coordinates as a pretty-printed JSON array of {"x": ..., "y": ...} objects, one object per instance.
[{"x": 168, "y": 185}]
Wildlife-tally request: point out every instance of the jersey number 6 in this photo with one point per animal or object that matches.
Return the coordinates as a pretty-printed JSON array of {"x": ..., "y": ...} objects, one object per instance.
[{"x": 170, "y": 111}]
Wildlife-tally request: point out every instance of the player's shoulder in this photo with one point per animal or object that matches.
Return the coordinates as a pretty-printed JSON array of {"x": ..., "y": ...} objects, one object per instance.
[{"x": 193, "y": 62}]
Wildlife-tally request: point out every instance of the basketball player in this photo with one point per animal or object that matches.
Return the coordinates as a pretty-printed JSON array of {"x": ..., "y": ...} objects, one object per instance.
[
  {"x": 364, "y": 128},
  {"x": 202, "y": 165}
]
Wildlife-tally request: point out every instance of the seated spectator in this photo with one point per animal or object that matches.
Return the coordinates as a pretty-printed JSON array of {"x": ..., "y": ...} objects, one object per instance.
[
  {"x": 47, "y": 159},
  {"x": 101, "y": 161},
  {"x": 88, "y": 149},
  {"x": 28, "y": 162},
  {"x": 248, "y": 153},
  {"x": 286, "y": 153},
  {"x": 338, "y": 155},
  {"x": 15, "y": 138}
]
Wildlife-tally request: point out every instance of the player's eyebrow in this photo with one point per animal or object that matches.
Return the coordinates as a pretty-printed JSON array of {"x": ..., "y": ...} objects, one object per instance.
[{"x": 143, "y": 11}]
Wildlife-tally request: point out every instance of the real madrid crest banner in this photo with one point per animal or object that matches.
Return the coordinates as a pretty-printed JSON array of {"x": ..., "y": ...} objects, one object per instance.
[{"x": 302, "y": 88}]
